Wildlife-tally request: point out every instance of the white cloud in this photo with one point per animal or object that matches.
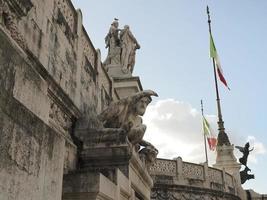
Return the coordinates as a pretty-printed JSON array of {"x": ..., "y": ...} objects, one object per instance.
[{"x": 175, "y": 128}]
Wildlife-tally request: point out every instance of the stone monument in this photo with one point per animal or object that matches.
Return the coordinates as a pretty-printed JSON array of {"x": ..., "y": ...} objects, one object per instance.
[
  {"x": 243, "y": 160},
  {"x": 120, "y": 60},
  {"x": 122, "y": 46},
  {"x": 116, "y": 149},
  {"x": 226, "y": 159}
]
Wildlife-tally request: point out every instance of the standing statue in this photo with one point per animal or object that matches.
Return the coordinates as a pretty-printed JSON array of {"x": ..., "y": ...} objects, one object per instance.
[
  {"x": 129, "y": 45},
  {"x": 112, "y": 41},
  {"x": 126, "y": 114},
  {"x": 122, "y": 46},
  {"x": 243, "y": 160}
]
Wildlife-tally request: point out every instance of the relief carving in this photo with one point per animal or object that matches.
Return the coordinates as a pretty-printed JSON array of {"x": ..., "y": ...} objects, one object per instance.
[
  {"x": 164, "y": 166},
  {"x": 193, "y": 171},
  {"x": 60, "y": 119}
]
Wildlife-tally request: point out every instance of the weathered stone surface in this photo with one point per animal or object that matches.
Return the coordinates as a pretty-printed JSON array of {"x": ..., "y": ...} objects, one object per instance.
[
  {"x": 52, "y": 88},
  {"x": 167, "y": 192},
  {"x": 93, "y": 185},
  {"x": 32, "y": 153},
  {"x": 108, "y": 149}
]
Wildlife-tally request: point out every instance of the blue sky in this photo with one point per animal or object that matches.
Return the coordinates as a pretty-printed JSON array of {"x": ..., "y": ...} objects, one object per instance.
[{"x": 174, "y": 60}]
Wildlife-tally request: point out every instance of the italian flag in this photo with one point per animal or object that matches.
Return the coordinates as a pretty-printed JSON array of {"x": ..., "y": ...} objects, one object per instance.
[
  {"x": 212, "y": 141},
  {"x": 213, "y": 54}
]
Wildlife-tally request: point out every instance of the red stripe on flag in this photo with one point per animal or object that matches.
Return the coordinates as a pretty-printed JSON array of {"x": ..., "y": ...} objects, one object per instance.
[
  {"x": 222, "y": 77},
  {"x": 212, "y": 141}
]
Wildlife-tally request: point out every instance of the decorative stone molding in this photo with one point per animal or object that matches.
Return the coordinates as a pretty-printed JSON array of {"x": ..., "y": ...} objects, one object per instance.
[
  {"x": 215, "y": 175},
  {"x": 193, "y": 171},
  {"x": 59, "y": 117},
  {"x": 162, "y": 166},
  {"x": 63, "y": 112}
]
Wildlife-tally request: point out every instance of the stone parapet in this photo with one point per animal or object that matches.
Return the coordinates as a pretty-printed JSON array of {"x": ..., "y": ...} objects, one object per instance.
[{"x": 198, "y": 177}]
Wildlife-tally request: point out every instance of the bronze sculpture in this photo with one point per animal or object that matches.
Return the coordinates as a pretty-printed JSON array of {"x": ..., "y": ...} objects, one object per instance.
[{"x": 243, "y": 160}]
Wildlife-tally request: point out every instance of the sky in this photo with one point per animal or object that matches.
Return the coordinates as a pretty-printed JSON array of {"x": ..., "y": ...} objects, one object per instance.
[{"x": 174, "y": 61}]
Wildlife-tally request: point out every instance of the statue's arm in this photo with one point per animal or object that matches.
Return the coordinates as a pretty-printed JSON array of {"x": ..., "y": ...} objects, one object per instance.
[
  {"x": 241, "y": 149},
  {"x": 134, "y": 39},
  {"x": 251, "y": 149}
]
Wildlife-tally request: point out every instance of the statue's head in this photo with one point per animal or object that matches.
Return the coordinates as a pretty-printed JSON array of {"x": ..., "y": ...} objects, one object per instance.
[
  {"x": 140, "y": 101},
  {"x": 247, "y": 145},
  {"x": 126, "y": 27},
  {"x": 140, "y": 106},
  {"x": 115, "y": 23}
]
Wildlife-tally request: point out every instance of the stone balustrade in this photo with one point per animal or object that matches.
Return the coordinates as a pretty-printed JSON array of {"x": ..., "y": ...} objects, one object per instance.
[{"x": 177, "y": 172}]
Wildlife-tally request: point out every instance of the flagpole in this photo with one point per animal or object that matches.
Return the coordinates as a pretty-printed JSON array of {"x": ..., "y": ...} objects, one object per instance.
[
  {"x": 222, "y": 136},
  {"x": 205, "y": 142}
]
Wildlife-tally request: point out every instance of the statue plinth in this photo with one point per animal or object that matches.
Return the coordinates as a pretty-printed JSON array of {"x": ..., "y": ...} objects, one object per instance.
[
  {"x": 106, "y": 160},
  {"x": 107, "y": 149},
  {"x": 116, "y": 71},
  {"x": 124, "y": 83}
]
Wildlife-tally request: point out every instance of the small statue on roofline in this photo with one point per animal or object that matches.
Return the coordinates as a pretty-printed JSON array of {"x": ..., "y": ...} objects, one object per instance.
[
  {"x": 122, "y": 46},
  {"x": 243, "y": 160}
]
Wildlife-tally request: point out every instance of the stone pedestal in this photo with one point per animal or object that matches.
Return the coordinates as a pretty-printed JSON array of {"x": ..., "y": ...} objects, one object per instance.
[
  {"x": 115, "y": 70},
  {"x": 125, "y": 87},
  {"x": 110, "y": 168},
  {"x": 124, "y": 83},
  {"x": 227, "y": 161}
]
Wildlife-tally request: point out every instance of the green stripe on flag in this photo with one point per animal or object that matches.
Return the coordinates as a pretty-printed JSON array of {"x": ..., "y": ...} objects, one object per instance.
[
  {"x": 206, "y": 126},
  {"x": 213, "y": 52}
]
